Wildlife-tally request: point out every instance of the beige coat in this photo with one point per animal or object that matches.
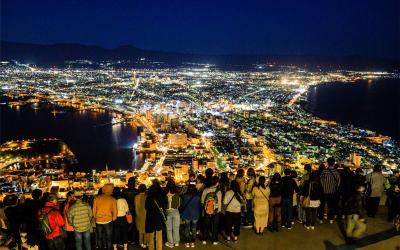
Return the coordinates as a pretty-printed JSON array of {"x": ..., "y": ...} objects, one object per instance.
[{"x": 140, "y": 212}]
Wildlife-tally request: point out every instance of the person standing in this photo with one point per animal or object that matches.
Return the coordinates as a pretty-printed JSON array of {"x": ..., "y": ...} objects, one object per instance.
[
  {"x": 289, "y": 186},
  {"x": 191, "y": 207},
  {"x": 330, "y": 181},
  {"x": 249, "y": 214},
  {"x": 173, "y": 216},
  {"x": 130, "y": 194},
  {"x": 233, "y": 201},
  {"x": 275, "y": 200},
  {"x": 140, "y": 212},
  {"x": 70, "y": 200},
  {"x": 79, "y": 217},
  {"x": 260, "y": 201},
  {"x": 375, "y": 188},
  {"x": 50, "y": 216},
  {"x": 120, "y": 224},
  {"x": 211, "y": 200},
  {"x": 156, "y": 219},
  {"x": 105, "y": 213},
  {"x": 346, "y": 185},
  {"x": 312, "y": 191}
]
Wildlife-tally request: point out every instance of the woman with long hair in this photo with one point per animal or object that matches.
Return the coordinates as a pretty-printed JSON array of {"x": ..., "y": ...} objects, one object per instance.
[
  {"x": 233, "y": 201},
  {"x": 121, "y": 224},
  {"x": 140, "y": 212},
  {"x": 155, "y": 205},
  {"x": 275, "y": 200},
  {"x": 260, "y": 201},
  {"x": 173, "y": 216}
]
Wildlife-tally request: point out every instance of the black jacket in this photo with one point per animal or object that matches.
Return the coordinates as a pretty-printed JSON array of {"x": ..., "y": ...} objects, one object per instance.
[
  {"x": 315, "y": 192},
  {"x": 354, "y": 205},
  {"x": 155, "y": 221},
  {"x": 289, "y": 186}
]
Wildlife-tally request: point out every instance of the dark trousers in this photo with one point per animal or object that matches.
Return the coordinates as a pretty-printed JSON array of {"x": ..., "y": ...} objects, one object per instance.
[
  {"x": 104, "y": 234},
  {"x": 56, "y": 243},
  {"x": 232, "y": 219},
  {"x": 70, "y": 240},
  {"x": 249, "y": 212},
  {"x": 210, "y": 227},
  {"x": 311, "y": 216},
  {"x": 372, "y": 206},
  {"x": 287, "y": 211},
  {"x": 332, "y": 201}
]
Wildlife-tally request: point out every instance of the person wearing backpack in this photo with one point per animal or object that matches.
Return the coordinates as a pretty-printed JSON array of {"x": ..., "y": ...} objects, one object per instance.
[
  {"x": 51, "y": 222},
  {"x": 233, "y": 201},
  {"x": 211, "y": 200},
  {"x": 173, "y": 216},
  {"x": 191, "y": 207},
  {"x": 260, "y": 201}
]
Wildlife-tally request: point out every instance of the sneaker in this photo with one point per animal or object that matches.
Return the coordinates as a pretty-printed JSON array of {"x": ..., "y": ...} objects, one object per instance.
[
  {"x": 283, "y": 226},
  {"x": 289, "y": 227},
  {"x": 192, "y": 244},
  {"x": 176, "y": 244},
  {"x": 330, "y": 221},
  {"x": 204, "y": 242},
  {"x": 187, "y": 244},
  {"x": 312, "y": 228},
  {"x": 247, "y": 226},
  {"x": 228, "y": 238},
  {"x": 215, "y": 243},
  {"x": 235, "y": 239},
  {"x": 292, "y": 222},
  {"x": 167, "y": 244},
  {"x": 308, "y": 228}
]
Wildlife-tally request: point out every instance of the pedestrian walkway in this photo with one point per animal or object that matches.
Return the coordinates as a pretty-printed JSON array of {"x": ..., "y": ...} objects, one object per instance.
[{"x": 380, "y": 236}]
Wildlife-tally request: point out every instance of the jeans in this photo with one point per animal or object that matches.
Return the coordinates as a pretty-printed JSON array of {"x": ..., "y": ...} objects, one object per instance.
[
  {"x": 210, "y": 227},
  {"x": 104, "y": 234},
  {"x": 287, "y": 211},
  {"x": 311, "y": 216},
  {"x": 173, "y": 223},
  {"x": 332, "y": 201},
  {"x": 56, "y": 243},
  {"x": 190, "y": 230},
  {"x": 301, "y": 213},
  {"x": 82, "y": 236},
  {"x": 232, "y": 219},
  {"x": 249, "y": 212}
]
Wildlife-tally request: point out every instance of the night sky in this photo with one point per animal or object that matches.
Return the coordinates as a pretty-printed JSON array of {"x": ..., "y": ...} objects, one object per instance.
[{"x": 324, "y": 27}]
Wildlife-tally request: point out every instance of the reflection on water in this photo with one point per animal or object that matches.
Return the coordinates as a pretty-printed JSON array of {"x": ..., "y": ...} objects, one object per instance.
[
  {"x": 372, "y": 104},
  {"x": 94, "y": 146}
]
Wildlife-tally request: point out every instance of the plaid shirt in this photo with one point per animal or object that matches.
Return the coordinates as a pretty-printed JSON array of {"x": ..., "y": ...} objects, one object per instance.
[{"x": 80, "y": 216}]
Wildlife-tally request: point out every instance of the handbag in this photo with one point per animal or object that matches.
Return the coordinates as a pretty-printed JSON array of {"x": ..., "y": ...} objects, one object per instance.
[{"x": 129, "y": 218}]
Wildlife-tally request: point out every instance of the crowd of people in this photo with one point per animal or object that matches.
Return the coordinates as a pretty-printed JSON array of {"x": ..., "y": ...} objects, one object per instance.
[{"x": 211, "y": 208}]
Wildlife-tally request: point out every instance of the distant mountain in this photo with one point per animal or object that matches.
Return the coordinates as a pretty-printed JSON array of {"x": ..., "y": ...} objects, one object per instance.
[{"x": 57, "y": 54}]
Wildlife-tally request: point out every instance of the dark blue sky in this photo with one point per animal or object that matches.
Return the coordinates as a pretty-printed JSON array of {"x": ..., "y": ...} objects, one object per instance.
[{"x": 325, "y": 27}]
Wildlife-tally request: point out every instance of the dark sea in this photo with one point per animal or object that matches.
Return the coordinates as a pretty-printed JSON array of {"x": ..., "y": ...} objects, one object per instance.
[
  {"x": 373, "y": 105},
  {"x": 94, "y": 146}
]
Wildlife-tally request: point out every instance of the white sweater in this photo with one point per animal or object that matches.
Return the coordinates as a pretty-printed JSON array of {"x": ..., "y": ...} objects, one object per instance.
[{"x": 234, "y": 205}]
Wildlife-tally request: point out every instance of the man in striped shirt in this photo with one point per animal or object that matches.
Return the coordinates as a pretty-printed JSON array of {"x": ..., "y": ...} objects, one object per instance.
[{"x": 330, "y": 181}]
